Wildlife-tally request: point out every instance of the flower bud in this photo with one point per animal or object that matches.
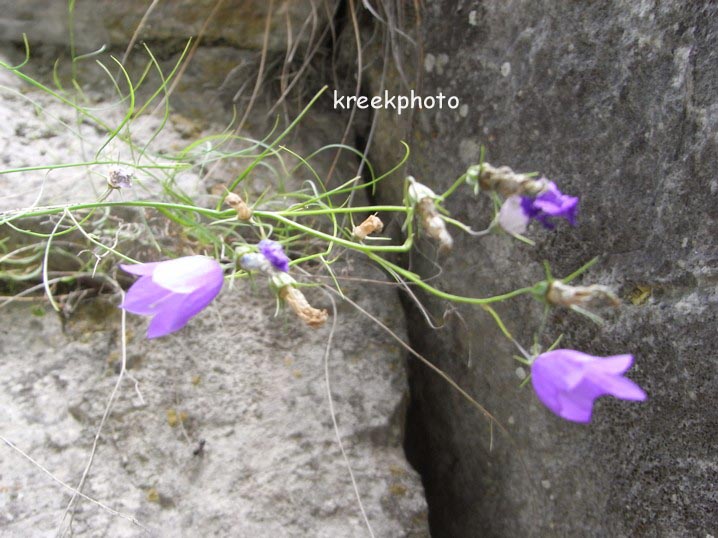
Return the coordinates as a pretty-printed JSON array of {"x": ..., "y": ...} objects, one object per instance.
[
  {"x": 119, "y": 178},
  {"x": 370, "y": 225},
  {"x": 594, "y": 296},
  {"x": 235, "y": 202}
]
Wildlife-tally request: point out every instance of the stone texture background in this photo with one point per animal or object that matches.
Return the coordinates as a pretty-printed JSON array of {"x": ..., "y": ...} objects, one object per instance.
[
  {"x": 248, "y": 383},
  {"x": 233, "y": 23},
  {"x": 617, "y": 102}
]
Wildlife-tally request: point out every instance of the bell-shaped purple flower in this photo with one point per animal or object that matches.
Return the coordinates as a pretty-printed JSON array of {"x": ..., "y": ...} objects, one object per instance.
[
  {"x": 568, "y": 381},
  {"x": 551, "y": 203},
  {"x": 274, "y": 252},
  {"x": 172, "y": 291}
]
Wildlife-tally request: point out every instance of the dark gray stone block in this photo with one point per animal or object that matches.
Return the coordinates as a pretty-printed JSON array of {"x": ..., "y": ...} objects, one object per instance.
[{"x": 618, "y": 103}]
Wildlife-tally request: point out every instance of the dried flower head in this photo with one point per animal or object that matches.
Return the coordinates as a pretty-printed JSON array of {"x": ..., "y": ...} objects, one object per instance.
[
  {"x": 235, "y": 201},
  {"x": 119, "y": 178},
  {"x": 593, "y": 296},
  {"x": 504, "y": 180},
  {"x": 172, "y": 291},
  {"x": 313, "y": 317},
  {"x": 568, "y": 381},
  {"x": 424, "y": 200},
  {"x": 433, "y": 224},
  {"x": 370, "y": 225},
  {"x": 418, "y": 191}
]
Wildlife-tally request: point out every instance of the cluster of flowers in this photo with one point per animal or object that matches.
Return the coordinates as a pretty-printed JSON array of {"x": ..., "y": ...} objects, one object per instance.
[
  {"x": 174, "y": 291},
  {"x": 566, "y": 381}
]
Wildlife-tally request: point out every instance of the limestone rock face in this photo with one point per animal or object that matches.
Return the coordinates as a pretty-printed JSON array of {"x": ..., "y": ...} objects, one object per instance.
[
  {"x": 617, "y": 102},
  {"x": 232, "y": 435},
  {"x": 223, "y": 429},
  {"x": 234, "y": 23}
]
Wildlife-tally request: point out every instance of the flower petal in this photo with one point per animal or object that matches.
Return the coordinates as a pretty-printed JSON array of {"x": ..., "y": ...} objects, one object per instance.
[
  {"x": 618, "y": 386},
  {"x": 512, "y": 217},
  {"x": 274, "y": 252},
  {"x": 168, "y": 319},
  {"x": 575, "y": 409},
  {"x": 180, "y": 309},
  {"x": 615, "y": 365},
  {"x": 145, "y": 297},
  {"x": 141, "y": 269},
  {"x": 188, "y": 274}
]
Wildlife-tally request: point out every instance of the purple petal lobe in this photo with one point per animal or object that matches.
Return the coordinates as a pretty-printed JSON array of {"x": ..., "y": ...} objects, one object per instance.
[
  {"x": 551, "y": 203},
  {"x": 615, "y": 365},
  {"x": 574, "y": 409}
]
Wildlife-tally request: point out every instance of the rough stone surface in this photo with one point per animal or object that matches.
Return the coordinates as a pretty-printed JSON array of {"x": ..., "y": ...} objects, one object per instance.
[
  {"x": 251, "y": 385},
  {"x": 616, "y": 101},
  {"x": 235, "y": 23}
]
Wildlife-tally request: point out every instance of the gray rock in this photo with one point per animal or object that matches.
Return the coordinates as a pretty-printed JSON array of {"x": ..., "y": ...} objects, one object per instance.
[
  {"x": 113, "y": 24},
  {"x": 247, "y": 383},
  {"x": 616, "y": 102}
]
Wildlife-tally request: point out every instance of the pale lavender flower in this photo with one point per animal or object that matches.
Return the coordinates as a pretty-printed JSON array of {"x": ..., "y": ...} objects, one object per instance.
[
  {"x": 254, "y": 261},
  {"x": 172, "y": 291},
  {"x": 119, "y": 178},
  {"x": 512, "y": 217},
  {"x": 550, "y": 203},
  {"x": 568, "y": 381},
  {"x": 274, "y": 252}
]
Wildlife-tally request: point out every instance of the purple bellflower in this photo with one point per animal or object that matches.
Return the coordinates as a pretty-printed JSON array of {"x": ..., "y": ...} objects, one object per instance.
[
  {"x": 274, "y": 252},
  {"x": 568, "y": 381},
  {"x": 517, "y": 210},
  {"x": 172, "y": 291}
]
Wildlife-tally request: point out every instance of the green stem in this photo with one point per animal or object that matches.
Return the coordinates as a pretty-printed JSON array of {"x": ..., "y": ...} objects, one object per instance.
[
  {"x": 449, "y": 296},
  {"x": 268, "y": 150},
  {"x": 310, "y": 212},
  {"x": 337, "y": 240},
  {"x": 451, "y": 189},
  {"x": 92, "y": 163}
]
